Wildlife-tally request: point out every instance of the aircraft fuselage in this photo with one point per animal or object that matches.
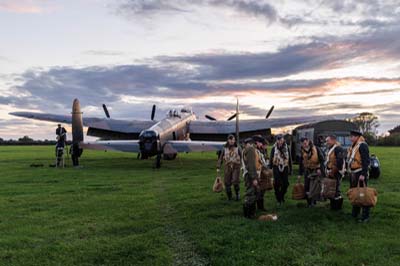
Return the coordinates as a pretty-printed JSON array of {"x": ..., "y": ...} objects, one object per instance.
[{"x": 174, "y": 127}]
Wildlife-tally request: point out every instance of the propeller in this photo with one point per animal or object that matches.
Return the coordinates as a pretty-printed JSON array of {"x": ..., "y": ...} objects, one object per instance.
[
  {"x": 106, "y": 111},
  {"x": 270, "y": 112},
  {"x": 77, "y": 124},
  {"x": 232, "y": 117},
  {"x": 153, "y": 112},
  {"x": 210, "y": 118}
]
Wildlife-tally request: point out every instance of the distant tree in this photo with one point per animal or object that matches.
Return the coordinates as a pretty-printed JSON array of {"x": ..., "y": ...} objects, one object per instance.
[
  {"x": 366, "y": 122},
  {"x": 395, "y": 130},
  {"x": 25, "y": 139},
  {"x": 370, "y": 138}
]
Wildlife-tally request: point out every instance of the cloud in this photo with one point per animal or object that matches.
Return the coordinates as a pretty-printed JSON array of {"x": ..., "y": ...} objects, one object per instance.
[
  {"x": 154, "y": 7},
  {"x": 24, "y": 6},
  {"x": 103, "y": 53},
  {"x": 370, "y": 14}
]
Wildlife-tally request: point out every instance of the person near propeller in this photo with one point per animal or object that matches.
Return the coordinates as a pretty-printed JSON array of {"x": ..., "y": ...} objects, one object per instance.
[
  {"x": 280, "y": 163},
  {"x": 231, "y": 157}
]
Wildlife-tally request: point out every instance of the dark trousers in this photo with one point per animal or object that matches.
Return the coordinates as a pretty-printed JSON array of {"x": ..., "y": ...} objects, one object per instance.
[
  {"x": 281, "y": 183},
  {"x": 354, "y": 180},
  {"x": 250, "y": 196},
  {"x": 75, "y": 160}
]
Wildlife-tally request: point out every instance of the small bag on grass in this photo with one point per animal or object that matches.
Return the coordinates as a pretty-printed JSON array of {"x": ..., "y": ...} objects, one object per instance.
[
  {"x": 298, "y": 192},
  {"x": 363, "y": 196},
  {"x": 266, "y": 179},
  {"x": 268, "y": 217},
  {"x": 328, "y": 188},
  {"x": 218, "y": 185}
]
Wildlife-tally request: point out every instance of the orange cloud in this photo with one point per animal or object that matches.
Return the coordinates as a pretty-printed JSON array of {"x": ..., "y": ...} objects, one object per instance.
[{"x": 23, "y": 6}]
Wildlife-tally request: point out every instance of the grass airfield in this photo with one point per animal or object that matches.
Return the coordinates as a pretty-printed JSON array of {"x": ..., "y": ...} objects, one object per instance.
[{"x": 117, "y": 210}]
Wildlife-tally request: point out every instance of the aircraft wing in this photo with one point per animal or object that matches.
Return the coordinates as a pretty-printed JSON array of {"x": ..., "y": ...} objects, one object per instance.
[
  {"x": 177, "y": 146},
  {"x": 98, "y": 127},
  {"x": 212, "y": 129},
  {"x": 115, "y": 145}
]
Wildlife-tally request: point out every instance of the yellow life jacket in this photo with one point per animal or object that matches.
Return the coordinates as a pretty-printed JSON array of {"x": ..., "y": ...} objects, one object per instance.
[
  {"x": 331, "y": 157},
  {"x": 310, "y": 162},
  {"x": 354, "y": 155}
]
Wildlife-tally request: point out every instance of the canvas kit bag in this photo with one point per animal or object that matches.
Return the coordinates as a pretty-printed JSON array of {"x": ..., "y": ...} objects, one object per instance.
[
  {"x": 328, "y": 188},
  {"x": 298, "y": 192},
  {"x": 218, "y": 185},
  {"x": 315, "y": 187},
  {"x": 266, "y": 179},
  {"x": 363, "y": 196}
]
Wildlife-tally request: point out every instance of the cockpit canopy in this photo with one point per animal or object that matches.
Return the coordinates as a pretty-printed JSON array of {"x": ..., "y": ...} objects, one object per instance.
[
  {"x": 176, "y": 113},
  {"x": 186, "y": 110}
]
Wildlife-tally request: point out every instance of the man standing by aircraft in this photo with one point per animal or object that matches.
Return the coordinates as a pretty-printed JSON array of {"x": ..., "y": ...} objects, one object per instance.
[
  {"x": 311, "y": 162},
  {"x": 358, "y": 162},
  {"x": 61, "y": 133},
  {"x": 261, "y": 150},
  {"x": 334, "y": 165},
  {"x": 231, "y": 156},
  {"x": 250, "y": 158},
  {"x": 280, "y": 163}
]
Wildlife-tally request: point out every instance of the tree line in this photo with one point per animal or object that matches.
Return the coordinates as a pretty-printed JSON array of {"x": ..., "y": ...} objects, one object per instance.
[
  {"x": 368, "y": 124},
  {"x": 26, "y": 140}
]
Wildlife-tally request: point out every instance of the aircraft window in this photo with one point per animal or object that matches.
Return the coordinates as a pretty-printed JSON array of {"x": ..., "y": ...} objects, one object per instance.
[{"x": 344, "y": 140}]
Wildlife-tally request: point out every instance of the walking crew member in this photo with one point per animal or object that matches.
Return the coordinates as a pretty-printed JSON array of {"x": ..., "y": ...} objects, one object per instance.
[
  {"x": 261, "y": 149},
  {"x": 311, "y": 163},
  {"x": 334, "y": 167},
  {"x": 250, "y": 159},
  {"x": 279, "y": 163},
  {"x": 61, "y": 133},
  {"x": 358, "y": 162},
  {"x": 231, "y": 156}
]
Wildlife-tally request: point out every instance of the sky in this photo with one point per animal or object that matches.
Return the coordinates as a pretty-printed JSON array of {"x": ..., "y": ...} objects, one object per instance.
[{"x": 305, "y": 57}]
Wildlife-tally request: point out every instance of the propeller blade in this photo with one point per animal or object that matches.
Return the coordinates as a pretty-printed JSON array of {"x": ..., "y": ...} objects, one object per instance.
[
  {"x": 77, "y": 124},
  {"x": 237, "y": 121},
  {"x": 232, "y": 117},
  {"x": 210, "y": 118},
  {"x": 153, "y": 112},
  {"x": 270, "y": 112},
  {"x": 106, "y": 111}
]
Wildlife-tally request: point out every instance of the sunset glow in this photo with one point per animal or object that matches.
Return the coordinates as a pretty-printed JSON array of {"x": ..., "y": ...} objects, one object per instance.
[{"x": 306, "y": 59}]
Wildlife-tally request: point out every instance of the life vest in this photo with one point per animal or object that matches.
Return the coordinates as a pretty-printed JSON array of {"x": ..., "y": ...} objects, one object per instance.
[
  {"x": 231, "y": 156},
  {"x": 354, "y": 156},
  {"x": 310, "y": 158},
  {"x": 245, "y": 161},
  {"x": 281, "y": 157},
  {"x": 330, "y": 162},
  {"x": 261, "y": 161}
]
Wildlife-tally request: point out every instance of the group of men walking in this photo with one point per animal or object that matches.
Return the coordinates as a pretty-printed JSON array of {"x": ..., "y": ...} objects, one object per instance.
[{"x": 314, "y": 165}]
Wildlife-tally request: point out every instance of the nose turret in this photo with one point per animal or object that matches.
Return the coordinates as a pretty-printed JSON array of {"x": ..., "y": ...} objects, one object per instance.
[{"x": 148, "y": 142}]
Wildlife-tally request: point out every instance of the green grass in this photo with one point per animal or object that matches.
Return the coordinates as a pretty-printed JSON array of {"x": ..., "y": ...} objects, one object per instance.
[{"x": 117, "y": 210}]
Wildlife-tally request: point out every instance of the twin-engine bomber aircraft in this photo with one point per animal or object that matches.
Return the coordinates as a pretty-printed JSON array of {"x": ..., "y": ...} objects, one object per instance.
[{"x": 177, "y": 132}]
